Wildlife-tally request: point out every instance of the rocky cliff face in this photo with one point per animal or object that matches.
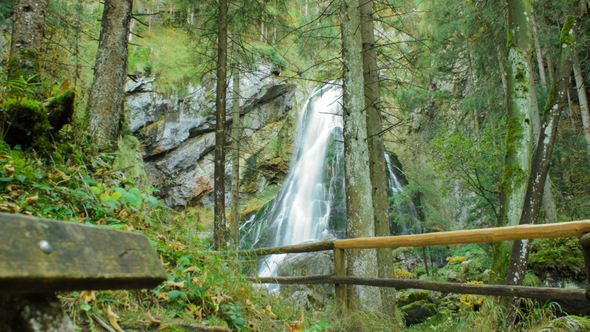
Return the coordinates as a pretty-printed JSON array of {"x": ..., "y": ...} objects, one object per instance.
[{"x": 178, "y": 139}]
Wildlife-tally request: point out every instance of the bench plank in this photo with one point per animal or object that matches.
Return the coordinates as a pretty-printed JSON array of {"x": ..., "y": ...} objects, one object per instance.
[{"x": 39, "y": 255}]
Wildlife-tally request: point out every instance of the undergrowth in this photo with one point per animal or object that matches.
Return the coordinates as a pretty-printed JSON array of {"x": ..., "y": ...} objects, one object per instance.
[{"x": 204, "y": 287}]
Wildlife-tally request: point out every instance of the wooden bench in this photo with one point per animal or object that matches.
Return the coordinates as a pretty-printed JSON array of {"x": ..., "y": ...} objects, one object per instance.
[{"x": 39, "y": 257}]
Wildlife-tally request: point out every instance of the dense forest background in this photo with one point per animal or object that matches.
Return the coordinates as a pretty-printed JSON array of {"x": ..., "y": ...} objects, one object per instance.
[{"x": 447, "y": 81}]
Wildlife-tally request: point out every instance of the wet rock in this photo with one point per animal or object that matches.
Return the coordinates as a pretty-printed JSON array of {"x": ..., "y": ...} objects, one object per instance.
[{"x": 303, "y": 264}]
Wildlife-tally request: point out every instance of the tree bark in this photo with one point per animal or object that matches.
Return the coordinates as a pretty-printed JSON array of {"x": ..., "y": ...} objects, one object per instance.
[
  {"x": 518, "y": 132},
  {"x": 548, "y": 201},
  {"x": 556, "y": 102},
  {"x": 377, "y": 164},
  {"x": 219, "y": 231},
  {"x": 235, "y": 173},
  {"x": 359, "y": 213},
  {"x": 27, "y": 34},
  {"x": 583, "y": 98},
  {"x": 107, "y": 96}
]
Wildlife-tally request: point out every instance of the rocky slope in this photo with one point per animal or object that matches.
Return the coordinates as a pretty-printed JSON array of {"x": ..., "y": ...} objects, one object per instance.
[{"x": 178, "y": 139}]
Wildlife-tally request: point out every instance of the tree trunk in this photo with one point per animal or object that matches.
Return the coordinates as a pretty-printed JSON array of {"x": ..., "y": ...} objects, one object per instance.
[
  {"x": 542, "y": 159},
  {"x": 219, "y": 231},
  {"x": 518, "y": 132},
  {"x": 107, "y": 96},
  {"x": 235, "y": 173},
  {"x": 377, "y": 164},
  {"x": 359, "y": 213},
  {"x": 548, "y": 201},
  {"x": 583, "y": 98},
  {"x": 27, "y": 34},
  {"x": 538, "y": 50}
]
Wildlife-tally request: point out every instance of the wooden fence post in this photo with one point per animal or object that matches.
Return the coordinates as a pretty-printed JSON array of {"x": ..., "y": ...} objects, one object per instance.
[
  {"x": 585, "y": 243},
  {"x": 340, "y": 270}
]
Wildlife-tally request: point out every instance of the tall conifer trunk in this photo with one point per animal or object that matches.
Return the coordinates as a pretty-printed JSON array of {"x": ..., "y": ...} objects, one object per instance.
[
  {"x": 583, "y": 98},
  {"x": 376, "y": 152},
  {"x": 235, "y": 172},
  {"x": 27, "y": 34},
  {"x": 359, "y": 205},
  {"x": 107, "y": 96},
  {"x": 519, "y": 134},
  {"x": 219, "y": 231}
]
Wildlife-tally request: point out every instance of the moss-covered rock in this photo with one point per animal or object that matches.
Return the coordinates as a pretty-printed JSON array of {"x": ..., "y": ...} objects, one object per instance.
[
  {"x": 417, "y": 312},
  {"x": 32, "y": 123},
  {"x": 406, "y": 297},
  {"x": 563, "y": 255}
]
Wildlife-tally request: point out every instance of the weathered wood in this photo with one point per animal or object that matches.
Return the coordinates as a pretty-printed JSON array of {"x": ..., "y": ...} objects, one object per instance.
[
  {"x": 445, "y": 287},
  {"x": 297, "y": 248},
  {"x": 38, "y": 255},
  {"x": 585, "y": 240},
  {"x": 340, "y": 270},
  {"x": 546, "y": 231}
]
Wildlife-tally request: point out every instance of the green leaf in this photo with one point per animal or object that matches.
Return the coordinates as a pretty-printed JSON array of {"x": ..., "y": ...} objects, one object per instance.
[
  {"x": 118, "y": 226},
  {"x": 176, "y": 294},
  {"x": 201, "y": 228},
  {"x": 6, "y": 179},
  {"x": 21, "y": 178},
  {"x": 96, "y": 190},
  {"x": 116, "y": 195}
]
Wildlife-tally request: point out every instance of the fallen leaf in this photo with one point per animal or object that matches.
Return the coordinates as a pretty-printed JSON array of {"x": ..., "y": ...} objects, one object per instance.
[
  {"x": 153, "y": 321},
  {"x": 123, "y": 214},
  {"x": 113, "y": 319},
  {"x": 162, "y": 261},
  {"x": 219, "y": 298},
  {"x": 192, "y": 269},
  {"x": 171, "y": 283},
  {"x": 3, "y": 157},
  {"x": 270, "y": 313},
  {"x": 87, "y": 296},
  {"x": 62, "y": 175},
  {"x": 9, "y": 168},
  {"x": 32, "y": 199},
  {"x": 163, "y": 295},
  {"x": 9, "y": 208}
]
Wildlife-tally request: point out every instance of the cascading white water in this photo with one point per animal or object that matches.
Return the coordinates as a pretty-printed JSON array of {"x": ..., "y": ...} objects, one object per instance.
[
  {"x": 311, "y": 202},
  {"x": 302, "y": 209}
]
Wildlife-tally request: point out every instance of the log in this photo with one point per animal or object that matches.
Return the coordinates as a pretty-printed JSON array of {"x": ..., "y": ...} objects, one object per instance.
[
  {"x": 512, "y": 233},
  {"x": 445, "y": 287},
  {"x": 44, "y": 256},
  {"x": 297, "y": 248}
]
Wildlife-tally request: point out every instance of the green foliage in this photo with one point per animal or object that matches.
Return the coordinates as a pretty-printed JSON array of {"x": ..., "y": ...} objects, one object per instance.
[
  {"x": 476, "y": 163},
  {"x": 570, "y": 173}
]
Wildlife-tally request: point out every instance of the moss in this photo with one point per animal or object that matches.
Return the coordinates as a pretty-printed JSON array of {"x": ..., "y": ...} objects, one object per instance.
[
  {"x": 27, "y": 112},
  {"x": 510, "y": 39},
  {"x": 566, "y": 37},
  {"x": 27, "y": 66},
  {"x": 563, "y": 255}
]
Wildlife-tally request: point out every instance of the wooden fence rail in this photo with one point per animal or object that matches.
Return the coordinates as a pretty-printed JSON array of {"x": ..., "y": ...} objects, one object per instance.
[{"x": 580, "y": 229}]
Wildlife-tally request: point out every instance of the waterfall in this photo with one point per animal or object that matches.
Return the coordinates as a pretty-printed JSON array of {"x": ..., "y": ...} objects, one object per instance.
[{"x": 311, "y": 202}]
